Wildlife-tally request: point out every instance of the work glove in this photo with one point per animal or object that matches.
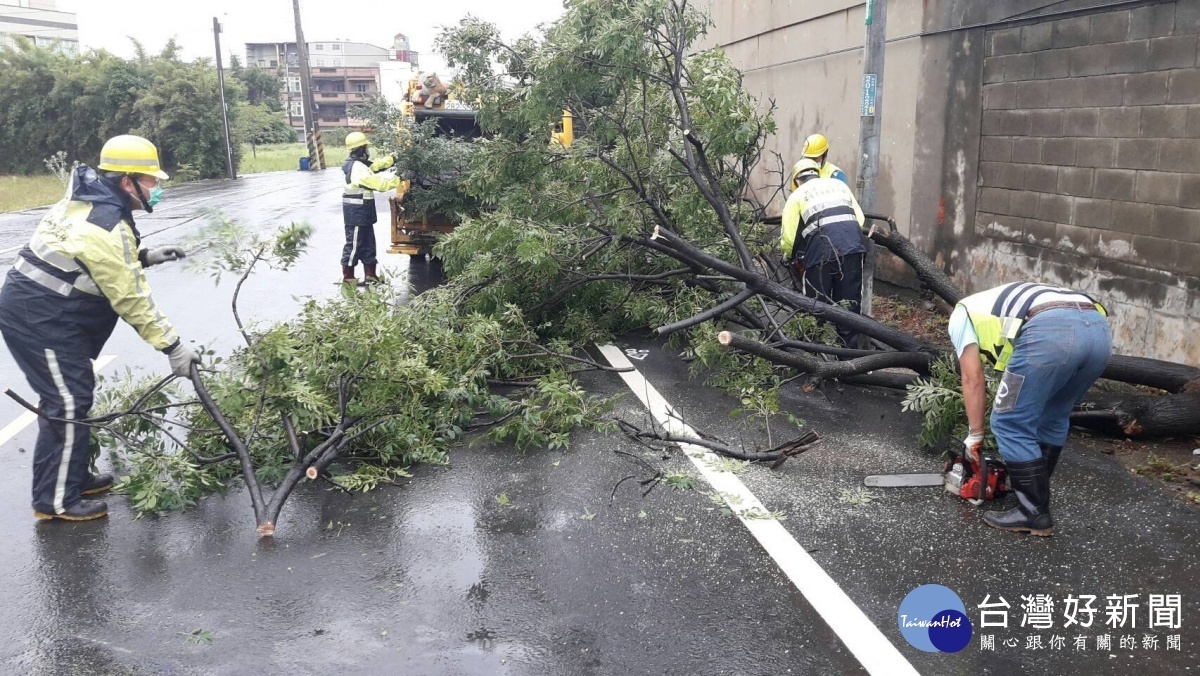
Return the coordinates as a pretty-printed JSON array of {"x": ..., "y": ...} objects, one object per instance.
[
  {"x": 182, "y": 357},
  {"x": 973, "y": 447},
  {"x": 161, "y": 255}
]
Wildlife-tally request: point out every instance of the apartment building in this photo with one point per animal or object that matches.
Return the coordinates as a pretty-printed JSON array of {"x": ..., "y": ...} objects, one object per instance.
[
  {"x": 40, "y": 22},
  {"x": 343, "y": 74}
]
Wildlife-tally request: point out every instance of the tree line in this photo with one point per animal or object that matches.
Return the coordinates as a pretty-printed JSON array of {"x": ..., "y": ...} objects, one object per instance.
[{"x": 52, "y": 101}]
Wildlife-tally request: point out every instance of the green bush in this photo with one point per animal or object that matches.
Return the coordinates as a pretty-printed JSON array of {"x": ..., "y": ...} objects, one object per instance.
[
  {"x": 334, "y": 136},
  {"x": 258, "y": 125},
  {"x": 52, "y": 101}
]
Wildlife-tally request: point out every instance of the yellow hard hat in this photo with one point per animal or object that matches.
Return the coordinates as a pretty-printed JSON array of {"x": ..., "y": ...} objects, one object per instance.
[
  {"x": 804, "y": 166},
  {"x": 815, "y": 146},
  {"x": 131, "y": 154},
  {"x": 356, "y": 139}
]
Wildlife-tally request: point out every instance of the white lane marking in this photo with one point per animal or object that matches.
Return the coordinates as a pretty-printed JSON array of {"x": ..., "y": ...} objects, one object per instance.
[
  {"x": 864, "y": 640},
  {"x": 28, "y": 417}
]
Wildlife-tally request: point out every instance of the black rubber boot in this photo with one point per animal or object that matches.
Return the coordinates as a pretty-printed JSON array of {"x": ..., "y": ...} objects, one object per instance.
[
  {"x": 1050, "y": 453},
  {"x": 96, "y": 483},
  {"x": 84, "y": 510},
  {"x": 1031, "y": 483},
  {"x": 348, "y": 275}
]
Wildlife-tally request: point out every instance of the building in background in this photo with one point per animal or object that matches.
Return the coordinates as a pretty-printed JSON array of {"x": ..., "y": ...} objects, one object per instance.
[
  {"x": 1022, "y": 139},
  {"x": 40, "y": 22},
  {"x": 343, "y": 74}
]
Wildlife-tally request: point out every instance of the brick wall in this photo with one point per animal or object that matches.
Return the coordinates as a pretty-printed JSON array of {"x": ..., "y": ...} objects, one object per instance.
[{"x": 1090, "y": 159}]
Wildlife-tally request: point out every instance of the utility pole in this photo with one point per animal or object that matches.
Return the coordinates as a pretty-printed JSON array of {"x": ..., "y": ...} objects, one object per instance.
[
  {"x": 311, "y": 131},
  {"x": 224, "y": 108},
  {"x": 870, "y": 129}
]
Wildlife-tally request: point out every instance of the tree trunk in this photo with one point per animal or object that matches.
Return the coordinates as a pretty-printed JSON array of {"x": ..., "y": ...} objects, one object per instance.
[
  {"x": 1177, "y": 414},
  {"x": 927, "y": 271},
  {"x": 1140, "y": 416}
]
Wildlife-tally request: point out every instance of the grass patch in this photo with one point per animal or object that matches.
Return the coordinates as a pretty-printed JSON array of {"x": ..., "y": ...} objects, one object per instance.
[
  {"x": 25, "y": 192},
  {"x": 284, "y": 157}
]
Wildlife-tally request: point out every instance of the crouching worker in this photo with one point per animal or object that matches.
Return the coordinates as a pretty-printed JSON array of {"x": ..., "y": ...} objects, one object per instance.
[
  {"x": 1052, "y": 344},
  {"x": 363, "y": 180},
  {"x": 822, "y": 233},
  {"x": 82, "y": 270}
]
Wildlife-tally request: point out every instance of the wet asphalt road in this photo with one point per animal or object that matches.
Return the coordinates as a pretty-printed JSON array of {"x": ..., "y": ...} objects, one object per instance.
[{"x": 437, "y": 576}]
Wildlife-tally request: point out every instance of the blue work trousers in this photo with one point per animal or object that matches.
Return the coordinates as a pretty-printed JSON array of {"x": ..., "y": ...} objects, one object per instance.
[
  {"x": 64, "y": 383},
  {"x": 360, "y": 245},
  {"x": 1057, "y": 357}
]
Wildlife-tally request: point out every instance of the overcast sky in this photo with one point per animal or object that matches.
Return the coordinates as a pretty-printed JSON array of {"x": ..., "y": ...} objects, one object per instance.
[{"x": 108, "y": 24}]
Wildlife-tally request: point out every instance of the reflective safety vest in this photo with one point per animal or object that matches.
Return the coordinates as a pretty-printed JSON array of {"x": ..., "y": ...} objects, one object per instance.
[
  {"x": 998, "y": 314},
  {"x": 82, "y": 269},
  {"x": 831, "y": 170},
  {"x": 824, "y": 206},
  {"x": 362, "y": 181}
]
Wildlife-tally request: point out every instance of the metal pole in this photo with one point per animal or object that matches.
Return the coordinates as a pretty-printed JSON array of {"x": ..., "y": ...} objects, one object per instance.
[
  {"x": 870, "y": 128},
  {"x": 224, "y": 108},
  {"x": 310, "y": 122}
]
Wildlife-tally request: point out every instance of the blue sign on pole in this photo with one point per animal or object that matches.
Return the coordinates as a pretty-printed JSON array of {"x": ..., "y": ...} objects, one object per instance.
[{"x": 868, "y": 95}]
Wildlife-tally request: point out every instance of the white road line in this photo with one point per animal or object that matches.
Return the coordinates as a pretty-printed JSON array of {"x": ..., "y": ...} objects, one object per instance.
[
  {"x": 28, "y": 417},
  {"x": 864, "y": 640}
]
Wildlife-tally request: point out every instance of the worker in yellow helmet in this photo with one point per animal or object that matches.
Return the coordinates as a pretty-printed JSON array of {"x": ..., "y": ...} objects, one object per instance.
[
  {"x": 816, "y": 147},
  {"x": 363, "y": 179},
  {"x": 822, "y": 237},
  {"x": 83, "y": 269},
  {"x": 1051, "y": 343}
]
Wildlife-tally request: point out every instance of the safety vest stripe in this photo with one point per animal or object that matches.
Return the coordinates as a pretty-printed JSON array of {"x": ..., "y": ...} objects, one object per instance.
[
  {"x": 42, "y": 250},
  {"x": 40, "y": 276},
  {"x": 827, "y": 220}
]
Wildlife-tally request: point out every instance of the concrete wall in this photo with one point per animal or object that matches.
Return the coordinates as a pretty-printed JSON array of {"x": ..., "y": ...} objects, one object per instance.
[
  {"x": 1089, "y": 170},
  {"x": 1016, "y": 146},
  {"x": 807, "y": 57}
]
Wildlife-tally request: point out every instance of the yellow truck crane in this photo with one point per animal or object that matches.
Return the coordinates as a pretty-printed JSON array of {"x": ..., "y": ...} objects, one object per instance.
[{"x": 428, "y": 98}]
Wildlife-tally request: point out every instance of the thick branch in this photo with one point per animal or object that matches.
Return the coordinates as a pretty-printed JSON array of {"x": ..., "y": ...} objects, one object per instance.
[
  {"x": 1164, "y": 375},
  {"x": 680, "y": 249},
  {"x": 243, "y": 453},
  {"x": 827, "y": 370},
  {"x": 844, "y": 352},
  {"x": 927, "y": 271},
  {"x": 708, "y": 314},
  {"x": 1137, "y": 416}
]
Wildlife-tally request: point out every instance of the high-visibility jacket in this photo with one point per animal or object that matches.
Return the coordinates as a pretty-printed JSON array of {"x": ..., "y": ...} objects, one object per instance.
[
  {"x": 80, "y": 272},
  {"x": 998, "y": 314},
  {"x": 831, "y": 170},
  {"x": 362, "y": 181},
  {"x": 832, "y": 223}
]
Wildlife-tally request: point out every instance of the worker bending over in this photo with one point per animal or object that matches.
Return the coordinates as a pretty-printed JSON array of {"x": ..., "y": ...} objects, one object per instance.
[
  {"x": 822, "y": 236},
  {"x": 1052, "y": 344},
  {"x": 82, "y": 270},
  {"x": 363, "y": 180}
]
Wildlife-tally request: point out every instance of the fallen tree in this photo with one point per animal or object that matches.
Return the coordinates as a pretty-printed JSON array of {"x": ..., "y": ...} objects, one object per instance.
[
  {"x": 648, "y": 220},
  {"x": 358, "y": 380},
  {"x": 651, "y": 216}
]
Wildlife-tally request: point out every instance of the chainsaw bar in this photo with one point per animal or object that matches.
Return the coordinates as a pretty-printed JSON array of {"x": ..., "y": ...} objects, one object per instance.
[{"x": 904, "y": 480}]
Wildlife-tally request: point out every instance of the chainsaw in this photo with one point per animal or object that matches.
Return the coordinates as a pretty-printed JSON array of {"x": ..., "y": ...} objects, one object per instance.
[{"x": 973, "y": 482}]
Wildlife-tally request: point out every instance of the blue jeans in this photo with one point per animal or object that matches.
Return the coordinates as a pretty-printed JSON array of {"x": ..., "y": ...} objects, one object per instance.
[{"x": 1057, "y": 357}]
